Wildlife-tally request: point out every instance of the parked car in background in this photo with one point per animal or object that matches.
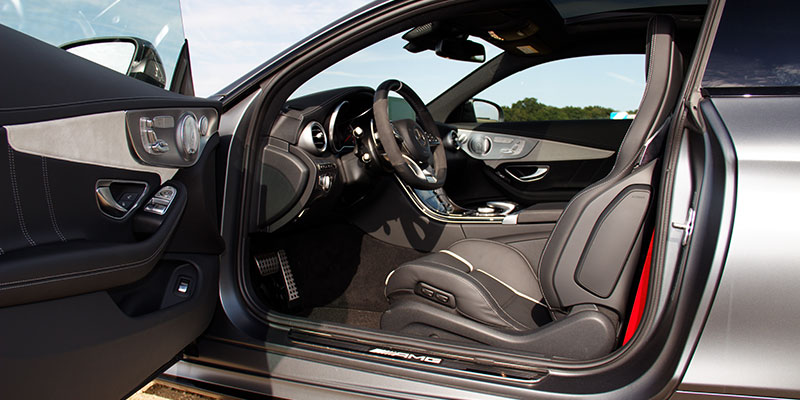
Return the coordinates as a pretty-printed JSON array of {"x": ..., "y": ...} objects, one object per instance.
[{"x": 322, "y": 229}]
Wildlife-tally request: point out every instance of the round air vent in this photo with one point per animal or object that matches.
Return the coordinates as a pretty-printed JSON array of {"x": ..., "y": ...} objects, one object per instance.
[{"x": 313, "y": 138}]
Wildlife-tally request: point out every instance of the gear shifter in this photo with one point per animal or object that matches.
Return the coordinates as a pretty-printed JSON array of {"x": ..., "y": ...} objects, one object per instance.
[{"x": 501, "y": 207}]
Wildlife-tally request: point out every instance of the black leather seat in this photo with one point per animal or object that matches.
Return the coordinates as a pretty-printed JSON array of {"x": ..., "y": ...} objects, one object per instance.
[{"x": 567, "y": 300}]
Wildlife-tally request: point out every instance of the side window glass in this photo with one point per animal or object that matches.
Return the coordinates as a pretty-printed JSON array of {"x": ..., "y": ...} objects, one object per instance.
[
  {"x": 593, "y": 87},
  {"x": 141, "y": 38}
]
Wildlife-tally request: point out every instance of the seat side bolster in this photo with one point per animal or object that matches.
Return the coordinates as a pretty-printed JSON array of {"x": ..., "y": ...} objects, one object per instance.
[{"x": 471, "y": 297}]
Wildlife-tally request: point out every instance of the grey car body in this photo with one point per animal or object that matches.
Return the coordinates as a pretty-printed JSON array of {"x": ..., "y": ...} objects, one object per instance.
[{"x": 80, "y": 292}]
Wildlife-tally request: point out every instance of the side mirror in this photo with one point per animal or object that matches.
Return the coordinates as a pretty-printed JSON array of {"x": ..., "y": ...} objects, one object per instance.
[
  {"x": 461, "y": 49},
  {"x": 130, "y": 56},
  {"x": 476, "y": 110},
  {"x": 487, "y": 111}
]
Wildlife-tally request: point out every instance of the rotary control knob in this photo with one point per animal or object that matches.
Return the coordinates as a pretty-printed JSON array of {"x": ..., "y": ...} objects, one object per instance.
[
  {"x": 480, "y": 144},
  {"x": 486, "y": 210},
  {"x": 325, "y": 182}
]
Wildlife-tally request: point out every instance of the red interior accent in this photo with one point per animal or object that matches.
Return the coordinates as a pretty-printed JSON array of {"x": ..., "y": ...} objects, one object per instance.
[{"x": 641, "y": 297}]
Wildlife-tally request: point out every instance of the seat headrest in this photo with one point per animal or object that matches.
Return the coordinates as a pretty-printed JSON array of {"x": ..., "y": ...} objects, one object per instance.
[{"x": 664, "y": 76}]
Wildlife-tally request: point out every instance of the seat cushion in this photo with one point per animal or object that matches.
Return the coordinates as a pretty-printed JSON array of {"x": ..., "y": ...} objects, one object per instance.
[{"x": 487, "y": 281}]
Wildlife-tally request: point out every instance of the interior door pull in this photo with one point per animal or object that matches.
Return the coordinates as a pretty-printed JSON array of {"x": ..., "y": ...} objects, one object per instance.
[
  {"x": 117, "y": 198},
  {"x": 106, "y": 199},
  {"x": 538, "y": 173}
]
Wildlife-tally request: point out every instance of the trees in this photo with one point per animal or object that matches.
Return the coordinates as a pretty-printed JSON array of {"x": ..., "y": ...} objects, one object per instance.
[{"x": 530, "y": 109}]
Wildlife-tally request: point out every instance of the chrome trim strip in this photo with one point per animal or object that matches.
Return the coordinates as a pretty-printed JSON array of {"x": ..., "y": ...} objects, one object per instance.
[
  {"x": 306, "y": 140},
  {"x": 97, "y": 139},
  {"x": 510, "y": 219},
  {"x": 295, "y": 377},
  {"x": 541, "y": 171},
  {"x": 448, "y": 219}
]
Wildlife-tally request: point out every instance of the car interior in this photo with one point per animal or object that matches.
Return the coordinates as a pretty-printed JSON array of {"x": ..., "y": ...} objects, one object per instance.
[{"x": 368, "y": 208}]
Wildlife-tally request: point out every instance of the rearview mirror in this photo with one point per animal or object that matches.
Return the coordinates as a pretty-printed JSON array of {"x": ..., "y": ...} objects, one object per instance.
[
  {"x": 461, "y": 49},
  {"x": 130, "y": 56}
]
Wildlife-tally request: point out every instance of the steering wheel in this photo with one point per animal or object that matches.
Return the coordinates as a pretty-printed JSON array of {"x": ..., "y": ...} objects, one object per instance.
[{"x": 407, "y": 144}]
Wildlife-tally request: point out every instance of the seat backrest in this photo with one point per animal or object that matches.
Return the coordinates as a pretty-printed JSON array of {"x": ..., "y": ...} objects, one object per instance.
[{"x": 593, "y": 252}]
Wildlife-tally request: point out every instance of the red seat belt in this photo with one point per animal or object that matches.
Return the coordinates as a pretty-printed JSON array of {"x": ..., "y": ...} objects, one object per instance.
[{"x": 641, "y": 297}]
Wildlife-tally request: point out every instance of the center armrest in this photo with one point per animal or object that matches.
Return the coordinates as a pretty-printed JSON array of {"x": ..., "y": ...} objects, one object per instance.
[{"x": 542, "y": 212}]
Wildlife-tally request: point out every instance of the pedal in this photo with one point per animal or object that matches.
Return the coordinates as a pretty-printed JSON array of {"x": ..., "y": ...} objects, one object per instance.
[
  {"x": 282, "y": 288},
  {"x": 268, "y": 264}
]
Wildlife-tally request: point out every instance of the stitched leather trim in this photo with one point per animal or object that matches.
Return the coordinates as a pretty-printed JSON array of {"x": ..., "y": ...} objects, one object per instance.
[
  {"x": 512, "y": 248},
  {"x": 49, "y": 198},
  {"x": 515, "y": 291},
  {"x": 81, "y": 274},
  {"x": 482, "y": 291},
  {"x": 17, "y": 202},
  {"x": 459, "y": 258}
]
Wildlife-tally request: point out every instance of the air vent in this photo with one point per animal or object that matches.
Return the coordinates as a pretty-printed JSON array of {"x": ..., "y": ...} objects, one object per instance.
[{"x": 313, "y": 138}]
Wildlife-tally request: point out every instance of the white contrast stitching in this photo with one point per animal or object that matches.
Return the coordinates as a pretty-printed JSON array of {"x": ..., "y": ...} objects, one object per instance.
[
  {"x": 518, "y": 293},
  {"x": 459, "y": 258},
  {"x": 17, "y": 203},
  {"x": 49, "y": 198}
]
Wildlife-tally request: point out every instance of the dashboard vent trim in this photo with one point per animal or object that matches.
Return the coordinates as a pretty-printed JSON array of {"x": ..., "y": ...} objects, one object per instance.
[{"x": 313, "y": 138}]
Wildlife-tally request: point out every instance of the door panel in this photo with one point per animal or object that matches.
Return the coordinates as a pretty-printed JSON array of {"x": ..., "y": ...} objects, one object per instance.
[
  {"x": 556, "y": 160},
  {"x": 94, "y": 301}
]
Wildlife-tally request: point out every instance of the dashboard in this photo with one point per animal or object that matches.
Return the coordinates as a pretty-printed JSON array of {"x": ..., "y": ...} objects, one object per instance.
[{"x": 314, "y": 155}]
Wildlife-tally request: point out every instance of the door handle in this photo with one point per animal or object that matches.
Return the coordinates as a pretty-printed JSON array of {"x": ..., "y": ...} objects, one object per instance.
[
  {"x": 106, "y": 199},
  {"x": 538, "y": 173},
  {"x": 117, "y": 198}
]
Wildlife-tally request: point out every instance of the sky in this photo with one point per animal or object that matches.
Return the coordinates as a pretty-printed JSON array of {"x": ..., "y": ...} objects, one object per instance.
[{"x": 228, "y": 39}]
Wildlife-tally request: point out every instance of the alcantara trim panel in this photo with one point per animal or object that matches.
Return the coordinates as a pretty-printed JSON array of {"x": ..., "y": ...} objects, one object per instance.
[{"x": 98, "y": 139}]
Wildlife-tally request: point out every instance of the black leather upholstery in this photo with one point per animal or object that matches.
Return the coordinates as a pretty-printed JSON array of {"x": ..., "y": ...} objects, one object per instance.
[
  {"x": 492, "y": 282},
  {"x": 586, "y": 267}
]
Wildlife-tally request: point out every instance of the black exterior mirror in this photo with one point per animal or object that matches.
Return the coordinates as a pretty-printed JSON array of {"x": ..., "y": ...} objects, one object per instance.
[
  {"x": 487, "y": 111},
  {"x": 130, "y": 56},
  {"x": 461, "y": 49},
  {"x": 477, "y": 110}
]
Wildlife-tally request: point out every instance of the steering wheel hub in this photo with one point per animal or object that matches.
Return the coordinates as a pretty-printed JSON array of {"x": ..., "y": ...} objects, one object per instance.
[
  {"x": 406, "y": 141},
  {"x": 414, "y": 143}
]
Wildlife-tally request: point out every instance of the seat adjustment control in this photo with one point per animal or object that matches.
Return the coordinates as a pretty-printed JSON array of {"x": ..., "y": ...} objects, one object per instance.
[{"x": 435, "y": 294}]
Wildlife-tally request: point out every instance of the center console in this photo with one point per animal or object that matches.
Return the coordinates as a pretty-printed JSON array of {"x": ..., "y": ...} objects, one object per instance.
[{"x": 438, "y": 206}]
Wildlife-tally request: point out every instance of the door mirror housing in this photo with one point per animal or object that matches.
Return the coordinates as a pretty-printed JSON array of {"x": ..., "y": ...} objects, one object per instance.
[
  {"x": 487, "y": 111},
  {"x": 477, "y": 110},
  {"x": 130, "y": 56}
]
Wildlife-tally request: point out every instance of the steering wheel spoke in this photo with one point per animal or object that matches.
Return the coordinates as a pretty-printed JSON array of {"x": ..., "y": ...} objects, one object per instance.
[{"x": 415, "y": 153}]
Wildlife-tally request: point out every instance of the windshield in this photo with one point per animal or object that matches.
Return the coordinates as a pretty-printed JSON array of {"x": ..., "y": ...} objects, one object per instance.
[
  {"x": 427, "y": 73},
  {"x": 57, "y": 23}
]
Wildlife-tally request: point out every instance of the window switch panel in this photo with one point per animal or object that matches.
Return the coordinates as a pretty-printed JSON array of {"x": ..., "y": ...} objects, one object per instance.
[{"x": 160, "y": 202}]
